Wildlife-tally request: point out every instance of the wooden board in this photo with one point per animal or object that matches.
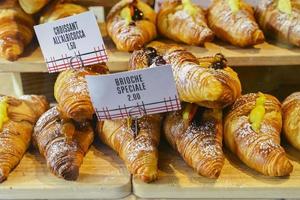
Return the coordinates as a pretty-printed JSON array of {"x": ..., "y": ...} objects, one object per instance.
[
  {"x": 177, "y": 180},
  {"x": 102, "y": 175}
]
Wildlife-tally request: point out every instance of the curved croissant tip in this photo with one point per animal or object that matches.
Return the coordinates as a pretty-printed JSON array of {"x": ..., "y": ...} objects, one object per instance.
[
  {"x": 283, "y": 167},
  {"x": 147, "y": 175},
  {"x": 71, "y": 174},
  {"x": 258, "y": 37},
  {"x": 2, "y": 176},
  {"x": 12, "y": 51}
]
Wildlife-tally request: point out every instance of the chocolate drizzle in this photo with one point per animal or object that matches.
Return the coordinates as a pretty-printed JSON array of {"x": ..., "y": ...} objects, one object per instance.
[
  {"x": 220, "y": 62},
  {"x": 137, "y": 14},
  {"x": 154, "y": 58}
]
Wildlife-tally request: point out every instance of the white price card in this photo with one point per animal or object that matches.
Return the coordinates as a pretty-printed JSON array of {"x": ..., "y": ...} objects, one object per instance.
[
  {"x": 71, "y": 42},
  {"x": 134, "y": 93}
]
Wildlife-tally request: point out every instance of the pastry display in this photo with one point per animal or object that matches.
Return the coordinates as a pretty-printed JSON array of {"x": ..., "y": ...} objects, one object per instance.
[
  {"x": 208, "y": 82},
  {"x": 183, "y": 21},
  {"x": 196, "y": 133},
  {"x": 16, "y": 29},
  {"x": 233, "y": 21},
  {"x": 17, "y": 119},
  {"x": 252, "y": 131},
  {"x": 32, "y": 6},
  {"x": 131, "y": 24},
  {"x": 291, "y": 119},
  {"x": 280, "y": 19},
  {"x": 71, "y": 92},
  {"x": 63, "y": 143}
]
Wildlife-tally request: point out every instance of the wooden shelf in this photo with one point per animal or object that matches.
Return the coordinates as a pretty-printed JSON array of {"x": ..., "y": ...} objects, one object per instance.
[
  {"x": 102, "y": 175},
  {"x": 177, "y": 180}
]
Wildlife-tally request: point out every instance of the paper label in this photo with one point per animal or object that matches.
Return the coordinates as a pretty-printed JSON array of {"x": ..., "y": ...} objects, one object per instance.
[
  {"x": 71, "y": 42},
  {"x": 134, "y": 93}
]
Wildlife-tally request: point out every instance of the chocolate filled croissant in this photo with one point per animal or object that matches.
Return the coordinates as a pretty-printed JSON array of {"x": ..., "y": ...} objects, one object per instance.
[
  {"x": 17, "y": 119},
  {"x": 196, "y": 133},
  {"x": 280, "y": 19},
  {"x": 131, "y": 24},
  {"x": 32, "y": 6},
  {"x": 16, "y": 29},
  {"x": 63, "y": 143},
  {"x": 291, "y": 119},
  {"x": 182, "y": 21},
  {"x": 252, "y": 132},
  {"x": 208, "y": 82},
  {"x": 234, "y": 21},
  {"x": 71, "y": 92},
  {"x": 136, "y": 145}
]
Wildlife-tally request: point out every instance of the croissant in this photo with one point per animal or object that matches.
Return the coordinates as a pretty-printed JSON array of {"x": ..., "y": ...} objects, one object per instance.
[
  {"x": 32, "y": 6},
  {"x": 62, "y": 142},
  {"x": 139, "y": 151},
  {"x": 252, "y": 131},
  {"x": 182, "y": 21},
  {"x": 61, "y": 10},
  {"x": 17, "y": 119},
  {"x": 71, "y": 92},
  {"x": 234, "y": 21},
  {"x": 131, "y": 24},
  {"x": 16, "y": 29},
  {"x": 208, "y": 82},
  {"x": 196, "y": 133},
  {"x": 280, "y": 19},
  {"x": 291, "y": 119}
]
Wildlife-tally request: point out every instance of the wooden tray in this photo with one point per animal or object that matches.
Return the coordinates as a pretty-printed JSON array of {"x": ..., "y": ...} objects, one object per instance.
[
  {"x": 177, "y": 180},
  {"x": 102, "y": 175}
]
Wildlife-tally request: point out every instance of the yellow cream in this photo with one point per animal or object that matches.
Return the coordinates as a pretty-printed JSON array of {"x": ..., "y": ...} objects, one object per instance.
[
  {"x": 126, "y": 14},
  {"x": 3, "y": 112},
  {"x": 285, "y": 6},
  {"x": 234, "y": 5},
  {"x": 189, "y": 7},
  {"x": 258, "y": 112}
]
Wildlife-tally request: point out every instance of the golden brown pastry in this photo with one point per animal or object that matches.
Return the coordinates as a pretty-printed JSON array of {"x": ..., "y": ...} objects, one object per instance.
[
  {"x": 182, "y": 21},
  {"x": 17, "y": 119},
  {"x": 61, "y": 10},
  {"x": 71, "y": 92},
  {"x": 291, "y": 119},
  {"x": 208, "y": 82},
  {"x": 252, "y": 132},
  {"x": 139, "y": 151},
  {"x": 233, "y": 21},
  {"x": 32, "y": 6},
  {"x": 131, "y": 24},
  {"x": 280, "y": 19},
  {"x": 196, "y": 133},
  {"x": 63, "y": 143},
  {"x": 16, "y": 30}
]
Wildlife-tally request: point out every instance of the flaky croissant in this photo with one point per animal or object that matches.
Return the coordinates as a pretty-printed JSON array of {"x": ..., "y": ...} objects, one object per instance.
[
  {"x": 16, "y": 29},
  {"x": 196, "y": 133},
  {"x": 62, "y": 142},
  {"x": 291, "y": 119},
  {"x": 17, "y": 119},
  {"x": 60, "y": 10},
  {"x": 234, "y": 21},
  {"x": 71, "y": 92},
  {"x": 252, "y": 132},
  {"x": 131, "y": 24},
  {"x": 32, "y": 6},
  {"x": 208, "y": 82},
  {"x": 139, "y": 151},
  {"x": 182, "y": 21},
  {"x": 280, "y": 19}
]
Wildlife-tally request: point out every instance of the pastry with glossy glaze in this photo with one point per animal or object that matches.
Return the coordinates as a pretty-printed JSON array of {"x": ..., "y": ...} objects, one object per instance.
[
  {"x": 252, "y": 131},
  {"x": 32, "y": 6}
]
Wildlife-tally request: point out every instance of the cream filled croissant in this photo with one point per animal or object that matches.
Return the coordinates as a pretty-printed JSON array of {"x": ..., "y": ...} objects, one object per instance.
[
  {"x": 17, "y": 119},
  {"x": 183, "y": 21},
  {"x": 32, "y": 6},
  {"x": 280, "y": 19},
  {"x": 131, "y": 24},
  {"x": 291, "y": 119},
  {"x": 63, "y": 143},
  {"x": 16, "y": 30},
  {"x": 252, "y": 132},
  {"x": 234, "y": 21},
  {"x": 208, "y": 82},
  {"x": 196, "y": 133}
]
